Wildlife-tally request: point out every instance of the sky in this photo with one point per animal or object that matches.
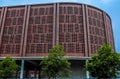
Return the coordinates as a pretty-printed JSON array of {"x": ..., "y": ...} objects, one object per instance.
[{"x": 112, "y": 7}]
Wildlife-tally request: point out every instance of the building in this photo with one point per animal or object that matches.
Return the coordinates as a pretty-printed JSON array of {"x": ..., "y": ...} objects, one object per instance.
[{"x": 27, "y": 33}]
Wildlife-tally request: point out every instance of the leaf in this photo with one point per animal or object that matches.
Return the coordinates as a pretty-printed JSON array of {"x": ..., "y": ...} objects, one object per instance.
[
  {"x": 105, "y": 63},
  {"x": 55, "y": 65}
]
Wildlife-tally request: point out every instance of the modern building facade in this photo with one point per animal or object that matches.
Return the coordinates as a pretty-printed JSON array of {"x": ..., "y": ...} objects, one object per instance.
[{"x": 28, "y": 32}]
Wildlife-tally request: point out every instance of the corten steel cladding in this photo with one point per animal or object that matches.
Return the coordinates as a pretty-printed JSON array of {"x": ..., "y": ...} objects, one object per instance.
[{"x": 32, "y": 30}]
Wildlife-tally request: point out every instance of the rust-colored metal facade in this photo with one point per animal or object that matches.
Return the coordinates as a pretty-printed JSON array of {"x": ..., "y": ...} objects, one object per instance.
[{"x": 32, "y": 30}]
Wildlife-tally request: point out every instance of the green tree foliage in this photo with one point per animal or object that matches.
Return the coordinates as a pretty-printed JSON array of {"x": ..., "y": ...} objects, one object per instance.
[
  {"x": 7, "y": 67},
  {"x": 104, "y": 64},
  {"x": 55, "y": 65}
]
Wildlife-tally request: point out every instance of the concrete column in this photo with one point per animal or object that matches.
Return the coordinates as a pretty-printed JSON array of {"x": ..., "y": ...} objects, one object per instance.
[
  {"x": 22, "y": 69},
  {"x": 87, "y": 72}
]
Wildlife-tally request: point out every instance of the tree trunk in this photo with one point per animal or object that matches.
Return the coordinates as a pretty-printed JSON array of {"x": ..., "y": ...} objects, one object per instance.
[
  {"x": 39, "y": 74},
  {"x": 48, "y": 77}
]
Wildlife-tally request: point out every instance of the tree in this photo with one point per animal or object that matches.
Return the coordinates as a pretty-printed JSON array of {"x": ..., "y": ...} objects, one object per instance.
[
  {"x": 104, "y": 64},
  {"x": 7, "y": 67},
  {"x": 55, "y": 65}
]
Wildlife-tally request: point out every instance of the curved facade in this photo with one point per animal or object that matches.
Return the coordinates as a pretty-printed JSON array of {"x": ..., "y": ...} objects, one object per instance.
[{"x": 30, "y": 31}]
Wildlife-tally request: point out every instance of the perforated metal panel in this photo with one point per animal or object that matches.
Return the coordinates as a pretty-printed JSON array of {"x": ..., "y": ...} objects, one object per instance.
[
  {"x": 96, "y": 28},
  {"x": 40, "y": 30},
  {"x": 12, "y": 31},
  {"x": 71, "y": 29},
  {"x": 32, "y": 30}
]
